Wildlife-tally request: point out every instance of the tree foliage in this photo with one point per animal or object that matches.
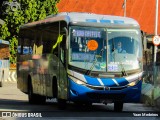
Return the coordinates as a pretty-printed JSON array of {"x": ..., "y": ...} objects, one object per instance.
[{"x": 24, "y": 11}]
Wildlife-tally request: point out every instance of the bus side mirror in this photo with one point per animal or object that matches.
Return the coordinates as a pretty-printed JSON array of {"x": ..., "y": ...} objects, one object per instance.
[{"x": 67, "y": 43}]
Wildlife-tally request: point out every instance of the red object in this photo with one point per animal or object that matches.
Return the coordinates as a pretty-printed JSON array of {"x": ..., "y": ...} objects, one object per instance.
[
  {"x": 92, "y": 45},
  {"x": 141, "y": 10}
]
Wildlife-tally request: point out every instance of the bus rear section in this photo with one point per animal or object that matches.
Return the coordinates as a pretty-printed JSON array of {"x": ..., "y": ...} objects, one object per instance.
[{"x": 4, "y": 61}]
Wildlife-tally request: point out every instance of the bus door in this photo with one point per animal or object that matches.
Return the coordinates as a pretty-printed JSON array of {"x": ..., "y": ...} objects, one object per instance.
[
  {"x": 62, "y": 68},
  {"x": 56, "y": 68},
  {"x": 37, "y": 61}
]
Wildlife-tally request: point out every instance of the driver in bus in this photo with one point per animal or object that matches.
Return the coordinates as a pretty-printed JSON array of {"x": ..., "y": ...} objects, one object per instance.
[
  {"x": 119, "y": 48},
  {"x": 116, "y": 51}
]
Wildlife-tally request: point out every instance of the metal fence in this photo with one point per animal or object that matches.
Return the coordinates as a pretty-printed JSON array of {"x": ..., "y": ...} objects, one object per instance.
[{"x": 151, "y": 80}]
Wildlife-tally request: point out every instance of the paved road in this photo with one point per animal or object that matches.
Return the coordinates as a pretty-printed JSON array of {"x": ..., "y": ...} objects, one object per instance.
[{"x": 14, "y": 101}]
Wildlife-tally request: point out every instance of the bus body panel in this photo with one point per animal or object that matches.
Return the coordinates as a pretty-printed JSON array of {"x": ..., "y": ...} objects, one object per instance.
[
  {"x": 83, "y": 93},
  {"x": 42, "y": 69},
  {"x": 95, "y": 91}
]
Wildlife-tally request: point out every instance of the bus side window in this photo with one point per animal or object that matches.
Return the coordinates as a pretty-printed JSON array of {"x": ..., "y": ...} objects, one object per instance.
[
  {"x": 47, "y": 46},
  {"x": 38, "y": 47},
  {"x": 27, "y": 48},
  {"x": 34, "y": 48},
  {"x": 20, "y": 46}
]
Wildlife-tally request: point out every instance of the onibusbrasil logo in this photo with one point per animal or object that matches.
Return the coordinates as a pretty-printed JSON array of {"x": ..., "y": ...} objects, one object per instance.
[{"x": 10, "y": 6}]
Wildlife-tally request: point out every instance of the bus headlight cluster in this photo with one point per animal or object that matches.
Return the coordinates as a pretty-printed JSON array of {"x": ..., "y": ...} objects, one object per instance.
[
  {"x": 133, "y": 83},
  {"x": 77, "y": 80}
]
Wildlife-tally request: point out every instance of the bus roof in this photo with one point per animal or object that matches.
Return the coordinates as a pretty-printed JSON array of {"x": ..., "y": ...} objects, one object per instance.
[
  {"x": 75, "y": 17},
  {"x": 4, "y": 42}
]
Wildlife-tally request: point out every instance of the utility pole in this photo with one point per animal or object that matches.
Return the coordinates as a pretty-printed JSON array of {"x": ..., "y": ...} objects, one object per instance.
[
  {"x": 155, "y": 48},
  {"x": 156, "y": 32},
  {"x": 124, "y": 7}
]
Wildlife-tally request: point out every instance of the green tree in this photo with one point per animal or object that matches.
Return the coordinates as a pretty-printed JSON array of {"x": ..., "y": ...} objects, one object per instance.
[{"x": 16, "y": 13}]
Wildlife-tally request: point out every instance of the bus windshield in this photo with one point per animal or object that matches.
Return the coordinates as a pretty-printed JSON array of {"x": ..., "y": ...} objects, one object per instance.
[
  {"x": 106, "y": 50},
  {"x": 124, "y": 50},
  {"x": 88, "y": 48}
]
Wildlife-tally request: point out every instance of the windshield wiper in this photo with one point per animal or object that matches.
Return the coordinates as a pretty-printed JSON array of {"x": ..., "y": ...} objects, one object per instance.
[
  {"x": 94, "y": 63},
  {"x": 113, "y": 50},
  {"x": 123, "y": 71}
]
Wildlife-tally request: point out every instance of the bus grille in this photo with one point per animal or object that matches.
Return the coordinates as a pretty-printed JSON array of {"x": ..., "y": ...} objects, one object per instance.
[
  {"x": 106, "y": 88},
  {"x": 116, "y": 97}
]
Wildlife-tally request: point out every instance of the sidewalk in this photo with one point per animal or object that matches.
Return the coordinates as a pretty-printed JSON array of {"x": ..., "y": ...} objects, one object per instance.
[{"x": 150, "y": 95}]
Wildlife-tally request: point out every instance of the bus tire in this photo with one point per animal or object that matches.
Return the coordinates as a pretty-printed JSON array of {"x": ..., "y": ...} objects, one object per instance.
[
  {"x": 41, "y": 99},
  {"x": 33, "y": 98},
  {"x": 79, "y": 103},
  {"x": 62, "y": 103},
  {"x": 55, "y": 87},
  {"x": 2, "y": 78},
  {"x": 118, "y": 106}
]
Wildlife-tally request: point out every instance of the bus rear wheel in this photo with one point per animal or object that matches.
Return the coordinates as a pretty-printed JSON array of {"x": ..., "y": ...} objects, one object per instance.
[
  {"x": 118, "y": 106},
  {"x": 33, "y": 98}
]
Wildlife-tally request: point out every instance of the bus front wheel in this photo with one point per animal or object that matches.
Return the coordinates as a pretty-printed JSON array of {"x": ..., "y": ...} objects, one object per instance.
[{"x": 118, "y": 106}]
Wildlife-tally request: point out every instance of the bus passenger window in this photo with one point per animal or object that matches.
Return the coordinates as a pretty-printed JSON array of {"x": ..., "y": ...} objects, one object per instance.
[
  {"x": 39, "y": 47},
  {"x": 47, "y": 46}
]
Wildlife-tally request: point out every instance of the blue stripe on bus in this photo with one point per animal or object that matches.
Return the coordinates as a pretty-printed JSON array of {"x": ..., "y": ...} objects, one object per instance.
[
  {"x": 106, "y": 81},
  {"x": 105, "y": 21},
  {"x": 92, "y": 81},
  {"x": 91, "y": 20},
  {"x": 26, "y": 50},
  {"x": 118, "y": 21}
]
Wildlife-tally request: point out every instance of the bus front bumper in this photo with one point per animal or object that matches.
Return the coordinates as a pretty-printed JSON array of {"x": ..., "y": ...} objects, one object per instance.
[{"x": 83, "y": 93}]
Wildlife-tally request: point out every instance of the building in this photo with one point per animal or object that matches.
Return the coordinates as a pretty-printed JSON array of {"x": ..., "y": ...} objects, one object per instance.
[{"x": 141, "y": 10}]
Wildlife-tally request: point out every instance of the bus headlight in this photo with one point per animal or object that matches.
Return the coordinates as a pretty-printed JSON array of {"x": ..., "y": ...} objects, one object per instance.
[
  {"x": 133, "y": 83},
  {"x": 80, "y": 82},
  {"x": 77, "y": 80}
]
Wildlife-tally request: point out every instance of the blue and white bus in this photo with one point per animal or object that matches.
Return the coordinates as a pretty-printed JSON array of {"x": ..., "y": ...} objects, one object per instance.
[
  {"x": 81, "y": 57},
  {"x": 4, "y": 61}
]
